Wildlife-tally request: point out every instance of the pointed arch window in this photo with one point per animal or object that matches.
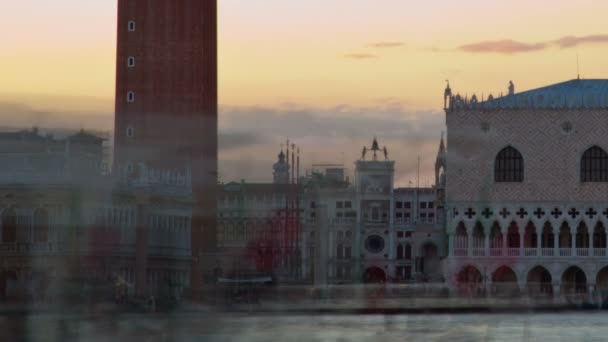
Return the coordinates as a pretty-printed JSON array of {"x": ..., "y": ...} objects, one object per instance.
[
  {"x": 594, "y": 165},
  {"x": 509, "y": 166}
]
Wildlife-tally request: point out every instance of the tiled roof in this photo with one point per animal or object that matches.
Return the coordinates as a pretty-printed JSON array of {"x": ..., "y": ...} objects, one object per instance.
[{"x": 570, "y": 94}]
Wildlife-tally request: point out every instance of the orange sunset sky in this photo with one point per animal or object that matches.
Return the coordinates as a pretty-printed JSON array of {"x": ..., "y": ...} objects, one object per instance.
[{"x": 330, "y": 74}]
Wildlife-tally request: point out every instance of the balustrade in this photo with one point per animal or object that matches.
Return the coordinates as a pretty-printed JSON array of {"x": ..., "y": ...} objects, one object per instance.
[{"x": 512, "y": 252}]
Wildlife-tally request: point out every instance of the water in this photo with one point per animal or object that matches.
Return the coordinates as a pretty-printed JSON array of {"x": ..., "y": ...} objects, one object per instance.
[{"x": 566, "y": 326}]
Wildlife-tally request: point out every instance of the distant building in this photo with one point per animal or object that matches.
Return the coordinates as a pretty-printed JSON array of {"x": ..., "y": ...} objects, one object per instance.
[
  {"x": 527, "y": 178},
  {"x": 372, "y": 231},
  {"x": 63, "y": 221},
  {"x": 368, "y": 231}
]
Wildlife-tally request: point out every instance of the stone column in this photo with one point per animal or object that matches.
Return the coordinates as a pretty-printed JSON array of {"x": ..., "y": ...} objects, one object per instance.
[
  {"x": 486, "y": 242},
  {"x": 590, "y": 235},
  {"x": 591, "y": 292},
  {"x": 557, "y": 296},
  {"x": 504, "y": 242},
  {"x": 573, "y": 240},
  {"x": 522, "y": 236},
  {"x": 539, "y": 242},
  {"x": 555, "y": 243}
]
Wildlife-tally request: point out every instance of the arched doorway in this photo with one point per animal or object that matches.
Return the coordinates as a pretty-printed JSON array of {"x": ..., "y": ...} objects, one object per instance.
[
  {"x": 513, "y": 236},
  {"x": 504, "y": 281},
  {"x": 374, "y": 275},
  {"x": 496, "y": 240},
  {"x": 469, "y": 281},
  {"x": 547, "y": 240},
  {"x": 565, "y": 239},
  {"x": 430, "y": 261},
  {"x": 574, "y": 284},
  {"x": 599, "y": 240},
  {"x": 530, "y": 237},
  {"x": 461, "y": 240},
  {"x": 539, "y": 282},
  {"x": 601, "y": 281}
]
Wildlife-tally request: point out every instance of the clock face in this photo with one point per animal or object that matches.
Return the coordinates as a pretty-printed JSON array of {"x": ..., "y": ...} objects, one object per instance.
[{"x": 374, "y": 244}]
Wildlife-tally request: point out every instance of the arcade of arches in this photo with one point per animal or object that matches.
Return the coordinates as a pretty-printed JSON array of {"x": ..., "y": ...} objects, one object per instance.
[
  {"x": 529, "y": 240},
  {"x": 571, "y": 282}
]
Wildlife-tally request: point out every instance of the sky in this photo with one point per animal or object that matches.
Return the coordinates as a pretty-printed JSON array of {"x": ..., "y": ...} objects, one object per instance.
[{"x": 329, "y": 74}]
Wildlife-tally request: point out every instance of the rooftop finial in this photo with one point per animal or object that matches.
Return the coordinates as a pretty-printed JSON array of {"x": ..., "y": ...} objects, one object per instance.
[{"x": 511, "y": 88}]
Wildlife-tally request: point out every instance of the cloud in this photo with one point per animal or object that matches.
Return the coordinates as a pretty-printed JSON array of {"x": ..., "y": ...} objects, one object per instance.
[
  {"x": 251, "y": 137},
  {"x": 16, "y": 115},
  {"x": 572, "y": 41},
  {"x": 327, "y": 135},
  {"x": 234, "y": 140},
  {"x": 387, "y": 44},
  {"x": 506, "y": 46},
  {"x": 360, "y": 56}
]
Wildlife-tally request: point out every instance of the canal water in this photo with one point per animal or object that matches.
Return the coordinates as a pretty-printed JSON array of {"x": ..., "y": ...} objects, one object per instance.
[{"x": 564, "y": 326}]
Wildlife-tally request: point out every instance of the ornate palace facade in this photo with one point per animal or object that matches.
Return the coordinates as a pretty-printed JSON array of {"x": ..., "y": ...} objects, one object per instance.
[{"x": 527, "y": 184}]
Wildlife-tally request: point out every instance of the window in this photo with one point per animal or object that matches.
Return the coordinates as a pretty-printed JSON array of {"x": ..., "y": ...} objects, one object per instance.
[
  {"x": 398, "y": 205},
  {"x": 348, "y": 204},
  {"x": 347, "y": 252},
  {"x": 407, "y": 205},
  {"x": 130, "y": 132},
  {"x": 340, "y": 252},
  {"x": 130, "y": 96},
  {"x": 131, "y": 62},
  {"x": 130, "y": 168},
  {"x": 431, "y": 205},
  {"x": 339, "y": 205},
  {"x": 594, "y": 165},
  {"x": 400, "y": 252},
  {"x": 312, "y": 205},
  {"x": 509, "y": 166},
  {"x": 422, "y": 205},
  {"x": 408, "y": 234},
  {"x": 400, "y": 234},
  {"x": 131, "y": 26},
  {"x": 408, "y": 252}
]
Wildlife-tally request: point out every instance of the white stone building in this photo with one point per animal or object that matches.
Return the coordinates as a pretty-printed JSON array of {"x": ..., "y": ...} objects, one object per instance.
[
  {"x": 527, "y": 190},
  {"x": 370, "y": 230}
]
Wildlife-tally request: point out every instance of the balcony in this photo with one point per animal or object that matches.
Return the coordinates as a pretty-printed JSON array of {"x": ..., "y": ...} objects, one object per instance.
[
  {"x": 343, "y": 221},
  {"x": 533, "y": 252},
  {"x": 376, "y": 224}
]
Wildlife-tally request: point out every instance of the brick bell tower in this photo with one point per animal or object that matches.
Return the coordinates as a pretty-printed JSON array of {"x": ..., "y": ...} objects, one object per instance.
[{"x": 166, "y": 102}]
